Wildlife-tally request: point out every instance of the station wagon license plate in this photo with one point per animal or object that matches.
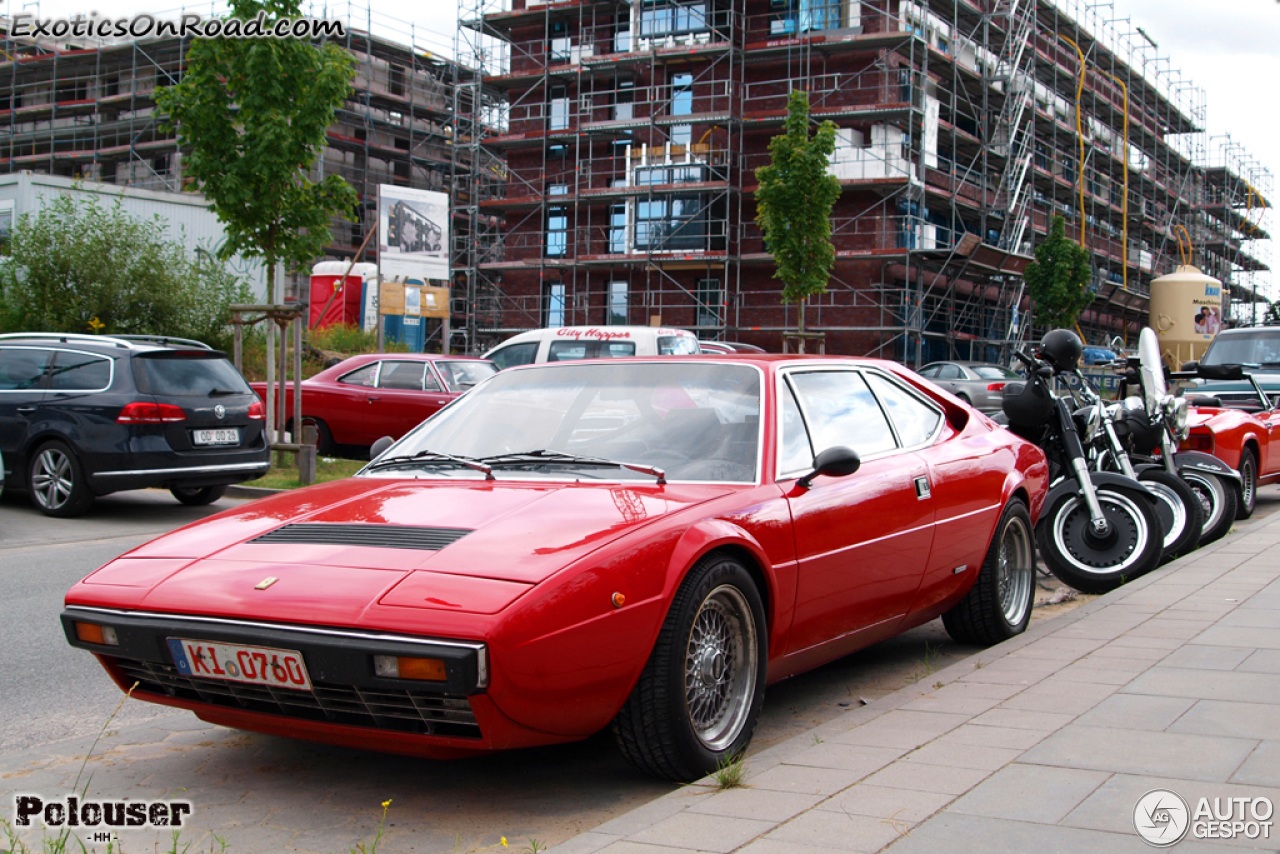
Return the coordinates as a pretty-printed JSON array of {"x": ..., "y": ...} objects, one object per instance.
[
  {"x": 256, "y": 665},
  {"x": 225, "y": 436}
]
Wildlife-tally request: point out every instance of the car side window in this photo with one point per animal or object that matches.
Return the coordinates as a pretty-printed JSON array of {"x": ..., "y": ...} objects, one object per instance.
[
  {"x": 23, "y": 369},
  {"x": 915, "y": 421},
  {"x": 515, "y": 354},
  {"x": 949, "y": 372},
  {"x": 565, "y": 351},
  {"x": 361, "y": 376},
  {"x": 930, "y": 372},
  {"x": 795, "y": 454},
  {"x": 841, "y": 410},
  {"x": 402, "y": 375},
  {"x": 80, "y": 372}
]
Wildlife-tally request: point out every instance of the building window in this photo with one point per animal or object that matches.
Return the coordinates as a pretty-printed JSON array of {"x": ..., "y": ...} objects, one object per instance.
[
  {"x": 623, "y": 98},
  {"x": 618, "y": 229},
  {"x": 559, "y": 108},
  {"x": 710, "y": 303},
  {"x": 659, "y": 19},
  {"x": 553, "y": 304},
  {"x": 616, "y": 314},
  {"x": 160, "y": 163},
  {"x": 561, "y": 48},
  {"x": 669, "y": 223},
  {"x": 681, "y": 105},
  {"x": 557, "y": 232},
  {"x": 395, "y": 80}
]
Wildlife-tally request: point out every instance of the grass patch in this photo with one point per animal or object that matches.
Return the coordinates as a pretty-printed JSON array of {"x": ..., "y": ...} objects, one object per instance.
[
  {"x": 731, "y": 773},
  {"x": 327, "y": 468}
]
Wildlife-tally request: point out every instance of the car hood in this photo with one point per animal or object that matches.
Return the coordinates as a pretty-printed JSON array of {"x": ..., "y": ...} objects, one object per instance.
[{"x": 337, "y": 549}]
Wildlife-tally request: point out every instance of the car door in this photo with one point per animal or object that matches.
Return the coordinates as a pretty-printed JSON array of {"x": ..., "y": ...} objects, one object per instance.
[
  {"x": 408, "y": 392},
  {"x": 22, "y": 381},
  {"x": 862, "y": 541},
  {"x": 342, "y": 406}
]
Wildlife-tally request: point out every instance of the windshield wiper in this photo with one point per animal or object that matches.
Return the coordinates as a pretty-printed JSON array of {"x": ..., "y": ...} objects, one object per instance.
[
  {"x": 548, "y": 456},
  {"x": 433, "y": 457},
  {"x": 222, "y": 392}
]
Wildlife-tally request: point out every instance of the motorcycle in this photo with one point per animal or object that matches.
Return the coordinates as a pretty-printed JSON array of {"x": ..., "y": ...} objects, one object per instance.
[
  {"x": 1116, "y": 428},
  {"x": 1098, "y": 529},
  {"x": 1215, "y": 484}
]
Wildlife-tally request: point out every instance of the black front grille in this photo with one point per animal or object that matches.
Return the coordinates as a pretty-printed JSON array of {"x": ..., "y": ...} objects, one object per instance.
[
  {"x": 378, "y": 536},
  {"x": 381, "y": 708}
]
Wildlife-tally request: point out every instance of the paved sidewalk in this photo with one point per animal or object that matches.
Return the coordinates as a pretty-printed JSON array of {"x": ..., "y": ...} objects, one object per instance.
[{"x": 1044, "y": 743}]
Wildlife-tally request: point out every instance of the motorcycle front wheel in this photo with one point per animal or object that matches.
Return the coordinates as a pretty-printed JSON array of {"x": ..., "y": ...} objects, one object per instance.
[
  {"x": 1097, "y": 562},
  {"x": 1180, "y": 511}
]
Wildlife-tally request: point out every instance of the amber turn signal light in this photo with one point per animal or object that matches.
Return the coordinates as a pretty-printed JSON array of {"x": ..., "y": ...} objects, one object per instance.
[
  {"x": 94, "y": 633},
  {"x": 403, "y": 667}
]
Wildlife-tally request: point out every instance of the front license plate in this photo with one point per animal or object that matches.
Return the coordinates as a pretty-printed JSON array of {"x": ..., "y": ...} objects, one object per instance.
[
  {"x": 256, "y": 665},
  {"x": 226, "y": 436}
]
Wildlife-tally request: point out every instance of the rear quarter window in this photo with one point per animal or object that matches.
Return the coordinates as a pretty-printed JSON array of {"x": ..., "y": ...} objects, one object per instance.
[{"x": 187, "y": 374}]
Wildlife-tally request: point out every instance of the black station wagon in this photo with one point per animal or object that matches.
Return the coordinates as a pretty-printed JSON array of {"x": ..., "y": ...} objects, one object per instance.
[{"x": 88, "y": 415}]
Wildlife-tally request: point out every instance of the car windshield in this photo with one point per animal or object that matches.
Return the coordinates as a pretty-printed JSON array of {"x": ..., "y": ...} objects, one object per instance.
[
  {"x": 186, "y": 372},
  {"x": 460, "y": 376},
  {"x": 1251, "y": 349},
  {"x": 694, "y": 422},
  {"x": 994, "y": 372}
]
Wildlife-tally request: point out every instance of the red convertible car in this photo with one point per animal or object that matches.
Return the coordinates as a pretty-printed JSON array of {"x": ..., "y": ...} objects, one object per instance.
[
  {"x": 364, "y": 398},
  {"x": 1245, "y": 435},
  {"x": 639, "y": 543}
]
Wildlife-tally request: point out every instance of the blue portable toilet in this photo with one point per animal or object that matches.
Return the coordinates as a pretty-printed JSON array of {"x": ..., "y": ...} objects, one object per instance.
[{"x": 409, "y": 329}]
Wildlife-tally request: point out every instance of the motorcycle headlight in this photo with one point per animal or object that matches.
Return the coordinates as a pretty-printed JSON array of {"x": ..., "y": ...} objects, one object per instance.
[{"x": 1178, "y": 413}]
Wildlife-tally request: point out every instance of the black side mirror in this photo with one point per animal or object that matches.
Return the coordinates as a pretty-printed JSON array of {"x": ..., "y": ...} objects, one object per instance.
[
  {"x": 833, "y": 462},
  {"x": 1191, "y": 367},
  {"x": 379, "y": 446}
]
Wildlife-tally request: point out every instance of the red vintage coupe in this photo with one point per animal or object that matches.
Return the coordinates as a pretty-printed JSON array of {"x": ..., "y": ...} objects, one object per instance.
[
  {"x": 364, "y": 398},
  {"x": 638, "y": 543}
]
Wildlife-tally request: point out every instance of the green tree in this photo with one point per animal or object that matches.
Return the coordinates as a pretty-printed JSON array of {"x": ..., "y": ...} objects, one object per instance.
[
  {"x": 77, "y": 265},
  {"x": 1056, "y": 279},
  {"x": 251, "y": 116},
  {"x": 794, "y": 202}
]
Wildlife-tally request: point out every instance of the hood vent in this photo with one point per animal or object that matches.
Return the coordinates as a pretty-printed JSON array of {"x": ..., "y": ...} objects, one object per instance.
[{"x": 375, "y": 536}]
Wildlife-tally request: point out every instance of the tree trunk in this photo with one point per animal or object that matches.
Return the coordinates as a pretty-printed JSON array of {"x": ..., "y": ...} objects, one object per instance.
[{"x": 800, "y": 327}]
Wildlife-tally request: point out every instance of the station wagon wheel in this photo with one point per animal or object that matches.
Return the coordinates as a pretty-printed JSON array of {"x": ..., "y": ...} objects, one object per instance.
[
  {"x": 696, "y": 703},
  {"x": 198, "y": 496},
  {"x": 57, "y": 482},
  {"x": 998, "y": 606},
  {"x": 1248, "y": 484}
]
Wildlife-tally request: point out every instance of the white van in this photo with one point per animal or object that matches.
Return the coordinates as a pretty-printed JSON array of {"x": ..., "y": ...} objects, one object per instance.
[{"x": 568, "y": 343}]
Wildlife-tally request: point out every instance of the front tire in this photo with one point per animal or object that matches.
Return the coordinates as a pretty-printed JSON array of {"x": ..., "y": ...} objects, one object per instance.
[
  {"x": 198, "y": 496},
  {"x": 1248, "y": 484},
  {"x": 57, "y": 481},
  {"x": 1180, "y": 511},
  {"x": 697, "y": 701},
  {"x": 1218, "y": 498},
  {"x": 998, "y": 606},
  {"x": 1094, "y": 563}
]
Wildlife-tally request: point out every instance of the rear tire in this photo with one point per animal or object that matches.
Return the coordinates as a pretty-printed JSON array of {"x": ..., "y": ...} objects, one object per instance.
[
  {"x": 57, "y": 482},
  {"x": 198, "y": 496},
  {"x": 325, "y": 446},
  {"x": 1180, "y": 511},
  {"x": 697, "y": 701},
  {"x": 1093, "y": 564},
  {"x": 998, "y": 606},
  {"x": 1218, "y": 498},
  {"x": 1248, "y": 484}
]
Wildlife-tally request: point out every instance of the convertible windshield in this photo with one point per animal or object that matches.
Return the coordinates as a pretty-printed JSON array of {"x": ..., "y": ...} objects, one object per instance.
[
  {"x": 693, "y": 422},
  {"x": 1251, "y": 349}
]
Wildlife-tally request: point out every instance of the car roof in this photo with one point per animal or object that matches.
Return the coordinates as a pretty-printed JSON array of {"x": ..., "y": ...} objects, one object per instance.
[{"x": 127, "y": 343}]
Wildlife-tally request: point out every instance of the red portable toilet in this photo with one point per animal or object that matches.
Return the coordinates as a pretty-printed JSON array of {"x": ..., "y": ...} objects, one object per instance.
[{"x": 346, "y": 307}]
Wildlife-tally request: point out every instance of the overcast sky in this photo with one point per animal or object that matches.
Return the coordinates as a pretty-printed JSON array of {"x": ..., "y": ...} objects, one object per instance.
[{"x": 1229, "y": 48}]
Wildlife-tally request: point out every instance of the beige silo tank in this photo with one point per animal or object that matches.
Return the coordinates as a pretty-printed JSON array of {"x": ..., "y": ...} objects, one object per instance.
[{"x": 1186, "y": 312}]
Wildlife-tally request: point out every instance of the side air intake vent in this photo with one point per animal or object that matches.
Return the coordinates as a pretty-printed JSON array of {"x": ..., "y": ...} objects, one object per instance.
[{"x": 377, "y": 536}]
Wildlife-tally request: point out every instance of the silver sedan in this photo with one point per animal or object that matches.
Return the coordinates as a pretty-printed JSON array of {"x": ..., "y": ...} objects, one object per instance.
[{"x": 977, "y": 383}]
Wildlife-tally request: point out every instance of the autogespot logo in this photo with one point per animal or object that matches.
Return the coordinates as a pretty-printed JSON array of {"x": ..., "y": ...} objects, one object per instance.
[{"x": 1161, "y": 817}]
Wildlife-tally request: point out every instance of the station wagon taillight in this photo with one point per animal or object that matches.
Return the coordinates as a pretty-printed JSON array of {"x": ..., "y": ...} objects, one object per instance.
[
  {"x": 140, "y": 412},
  {"x": 256, "y": 412}
]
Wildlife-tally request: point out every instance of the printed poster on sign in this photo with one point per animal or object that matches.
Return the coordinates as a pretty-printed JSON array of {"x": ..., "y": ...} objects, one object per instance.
[{"x": 413, "y": 233}]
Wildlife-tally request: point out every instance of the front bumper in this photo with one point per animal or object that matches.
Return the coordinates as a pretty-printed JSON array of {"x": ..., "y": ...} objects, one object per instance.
[{"x": 346, "y": 695}]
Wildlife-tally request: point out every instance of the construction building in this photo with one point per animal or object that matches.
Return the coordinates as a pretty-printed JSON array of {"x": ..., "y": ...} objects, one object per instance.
[
  {"x": 631, "y": 131},
  {"x": 85, "y": 109}
]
